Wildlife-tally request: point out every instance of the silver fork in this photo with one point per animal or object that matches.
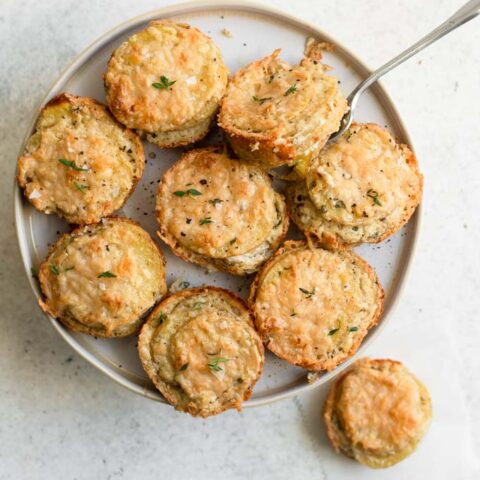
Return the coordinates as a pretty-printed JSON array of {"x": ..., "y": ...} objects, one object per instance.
[{"x": 469, "y": 11}]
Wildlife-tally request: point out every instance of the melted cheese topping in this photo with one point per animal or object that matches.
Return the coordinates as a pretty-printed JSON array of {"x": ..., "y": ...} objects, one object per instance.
[
  {"x": 178, "y": 53},
  {"x": 102, "y": 278},
  {"x": 202, "y": 351},
  {"x": 309, "y": 219},
  {"x": 294, "y": 108},
  {"x": 363, "y": 177},
  {"x": 216, "y": 206},
  {"x": 313, "y": 307},
  {"x": 108, "y": 161},
  {"x": 382, "y": 411}
]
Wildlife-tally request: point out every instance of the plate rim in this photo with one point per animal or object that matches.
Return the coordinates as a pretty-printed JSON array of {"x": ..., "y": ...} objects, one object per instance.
[{"x": 247, "y": 6}]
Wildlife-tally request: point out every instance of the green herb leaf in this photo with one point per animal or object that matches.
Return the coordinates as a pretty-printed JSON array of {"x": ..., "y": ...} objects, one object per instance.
[
  {"x": 164, "y": 83},
  {"x": 332, "y": 332},
  {"x": 206, "y": 220},
  {"x": 184, "y": 367},
  {"x": 162, "y": 317},
  {"x": 261, "y": 101},
  {"x": 214, "y": 364},
  {"x": 54, "y": 269},
  {"x": 80, "y": 187},
  {"x": 291, "y": 90},
  {"x": 106, "y": 274},
  {"x": 353, "y": 329},
  {"x": 71, "y": 164},
  {"x": 191, "y": 192},
  {"x": 215, "y": 201},
  {"x": 197, "y": 306},
  {"x": 374, "y": 196},
  {"x": 339, "y": 204},
  {"x": 309, "y": 293}
]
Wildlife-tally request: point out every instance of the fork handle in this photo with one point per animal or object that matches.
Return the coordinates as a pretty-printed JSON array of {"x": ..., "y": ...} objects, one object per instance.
[{"x": 469, "y": 11}]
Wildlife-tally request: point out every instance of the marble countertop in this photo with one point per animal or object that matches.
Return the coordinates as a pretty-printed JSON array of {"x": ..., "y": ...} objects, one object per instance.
[{"x": 61, "y": 418}]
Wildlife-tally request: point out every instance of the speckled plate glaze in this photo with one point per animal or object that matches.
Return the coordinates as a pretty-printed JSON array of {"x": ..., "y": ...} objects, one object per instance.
[{"x": 244, "y": 32}]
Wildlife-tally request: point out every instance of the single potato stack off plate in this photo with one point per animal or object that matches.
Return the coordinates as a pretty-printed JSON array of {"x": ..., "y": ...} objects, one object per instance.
[
  {"x": 201, "y": 351},
  {"x": 377, "y": 412},
  {"x": 254, "y": 32},
  {"x": 166, "y": 81},
  {"x": 218, "y": 212}
]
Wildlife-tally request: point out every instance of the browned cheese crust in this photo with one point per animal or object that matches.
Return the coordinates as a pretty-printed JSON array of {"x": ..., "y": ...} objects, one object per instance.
[
  {"x": 313, "y": 307},
  {"x": 275, "y": 113},
  {"x": 221, "y": 213},
  {"x": 166, "y": 81},
  {"x": 201, "y": 351},
  {"x": 80, "y": 163},
  {"x": 361, "y": 188},
  {"x": 377, "y": 412},
  {"x": 102, "y": 279}
]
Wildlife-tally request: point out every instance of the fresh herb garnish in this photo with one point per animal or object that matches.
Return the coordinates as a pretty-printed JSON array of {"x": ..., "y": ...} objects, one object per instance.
[
  {"x": 71, "y": 164},
  {"x": 332, "y": 332},
  {"x": 164, "y": 83},
  {"x": 106, "y": 274},
  {"x": 353, "y": 329},
  {"x": 190, "y": 192},
  {"x": 215, "y": 201},
  {"x": 308, "y": 293},
  {"x": 162, "y": 317},
  {"x": 197, "y": 306},
  {"x": 339, "y": 204},
  {"x": 184, "y": 367},
  {"x": 374, "y": 196},
  {"x": 54, "y": 269},
  {"x": 261, "y": 101},
  {"x": 291, "y": 90},
  {"x": 214, "y": 364},
  {"x": 80, "y": 187},
  {"x": 206, "y": 220}
]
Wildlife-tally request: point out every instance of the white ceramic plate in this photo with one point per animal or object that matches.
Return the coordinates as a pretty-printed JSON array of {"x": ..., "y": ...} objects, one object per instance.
[{"x": 255, "y": 32}]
